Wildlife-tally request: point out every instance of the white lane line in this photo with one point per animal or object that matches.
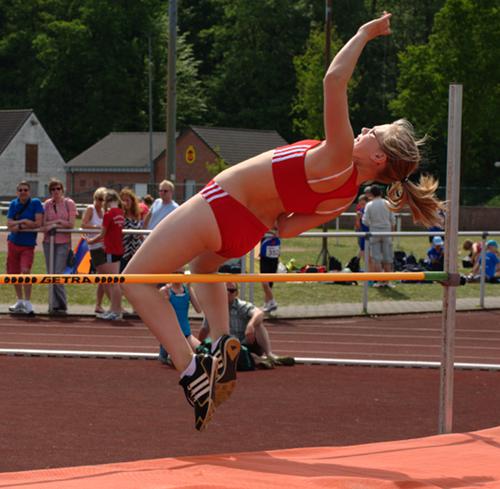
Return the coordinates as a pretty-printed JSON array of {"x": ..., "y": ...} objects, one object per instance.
[{"x": 301, "y": 360}]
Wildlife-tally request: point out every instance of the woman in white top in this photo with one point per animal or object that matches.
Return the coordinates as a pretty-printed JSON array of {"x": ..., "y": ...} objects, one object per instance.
[{"x": 92, "y": 219}]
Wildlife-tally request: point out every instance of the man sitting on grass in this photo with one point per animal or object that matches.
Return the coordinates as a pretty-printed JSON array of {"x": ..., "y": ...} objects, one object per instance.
[{"x": 246, "y": 322}]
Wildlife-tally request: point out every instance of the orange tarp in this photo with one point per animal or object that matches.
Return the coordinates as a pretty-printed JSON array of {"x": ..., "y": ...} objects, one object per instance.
[{"x": 445, "y": 461}]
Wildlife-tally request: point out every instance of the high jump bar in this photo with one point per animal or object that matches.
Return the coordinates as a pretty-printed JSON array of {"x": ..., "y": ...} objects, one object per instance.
[{"x": 69, "y": 279}]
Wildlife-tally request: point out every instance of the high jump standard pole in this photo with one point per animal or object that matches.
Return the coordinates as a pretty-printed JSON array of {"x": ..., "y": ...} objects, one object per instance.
[{"x": 450, "y": 258}]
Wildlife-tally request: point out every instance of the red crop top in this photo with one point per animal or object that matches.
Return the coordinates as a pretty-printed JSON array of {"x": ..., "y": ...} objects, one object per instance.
[{"x": 293, "y": 187}]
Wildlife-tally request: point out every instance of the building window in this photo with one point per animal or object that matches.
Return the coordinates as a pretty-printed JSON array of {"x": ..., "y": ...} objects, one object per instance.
[{"x": 31, "y": 160}]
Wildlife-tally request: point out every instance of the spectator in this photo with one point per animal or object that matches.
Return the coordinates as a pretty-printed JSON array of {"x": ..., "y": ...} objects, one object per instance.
[
  {"x": 60, "y": 213},
  {"x": 269, "y": 260},
  {"x": 112, "y": 236},
  {"x": 180, "y": 296},
  {"x": 246, "y": 322},
  {"x": 359, "y": 227},
  {"x": 24, "y": 213},
  {"x": 436, "y": 227},
  {"x": 435, "y": 255},
  {"x": 92, "y": 219},
  {"x": 474, "y": 249},
  {"x": 144, "y": 206},
  {"x": 131, "y": 242},
  {"x": 161, "y": 207},
  {"x": 492, "y": 262},
  {"x": 379, "y": 219}
]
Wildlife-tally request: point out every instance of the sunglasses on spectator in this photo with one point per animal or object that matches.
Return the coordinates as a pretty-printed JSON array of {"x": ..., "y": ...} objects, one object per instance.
[
  {"x": 232, "y": 291},
  {"x": 55, "y": 188},
  {"x": 164, "y": 190},
  {"x": 23, "y": 189},
  {"x": 100, "y": 199}
]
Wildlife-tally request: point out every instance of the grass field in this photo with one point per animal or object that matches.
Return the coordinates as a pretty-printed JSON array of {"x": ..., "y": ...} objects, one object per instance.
[{"x": 304, "y": 251}]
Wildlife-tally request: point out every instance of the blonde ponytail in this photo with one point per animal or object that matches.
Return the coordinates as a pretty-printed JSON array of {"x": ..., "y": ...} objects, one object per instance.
[
  {"x": 421, "y": 199},
  {"x": 403, "y": 157}
]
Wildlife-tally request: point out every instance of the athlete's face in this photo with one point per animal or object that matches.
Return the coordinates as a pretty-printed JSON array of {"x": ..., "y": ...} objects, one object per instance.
[{"x": 367, "y": 152}]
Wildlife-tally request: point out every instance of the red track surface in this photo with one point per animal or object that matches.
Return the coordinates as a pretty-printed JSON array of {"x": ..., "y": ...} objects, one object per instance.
[
  {"x": 69, "y": 411},
  {"x": 408, "y": 337}
]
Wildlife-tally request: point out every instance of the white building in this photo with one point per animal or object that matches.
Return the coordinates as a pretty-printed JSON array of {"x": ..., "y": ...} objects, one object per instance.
[{"x": 27, "y": 153}]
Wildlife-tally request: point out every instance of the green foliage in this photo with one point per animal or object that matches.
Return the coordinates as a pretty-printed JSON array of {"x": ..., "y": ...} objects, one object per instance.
[
  {"x": 253, "y": 83},
  {"x": 191, "y": 98},
  {"x": 310, "y": 68},
  {"x": 464, "y": 47},
  {"x": 83, "y": 67},
  {"x": 217, "y": 166},
  {"x": 493, "y": 202}
]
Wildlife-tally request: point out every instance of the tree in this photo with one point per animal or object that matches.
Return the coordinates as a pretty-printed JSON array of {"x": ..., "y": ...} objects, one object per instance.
[
  {"x": 254, "y": 42},
  {"x": 464, "y": 47},
  {"x": 83, "y": 67},
  {"x": 310, "y": 69},
  {"x": 190, "y": 92}
]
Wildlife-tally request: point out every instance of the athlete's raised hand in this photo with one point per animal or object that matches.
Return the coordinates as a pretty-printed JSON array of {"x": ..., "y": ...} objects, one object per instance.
[{"x": 377, "y": 27}]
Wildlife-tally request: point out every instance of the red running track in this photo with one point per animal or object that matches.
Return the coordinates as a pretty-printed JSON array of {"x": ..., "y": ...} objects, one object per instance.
[
  {"x": 59, "y": 412},
  {"x": 398, "y": 337}
]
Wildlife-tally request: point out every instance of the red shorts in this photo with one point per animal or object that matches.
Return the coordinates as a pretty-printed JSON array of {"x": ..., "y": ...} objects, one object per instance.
[
  {"x": 239, "y": 229},
  {"x": 19, "y": 258}
]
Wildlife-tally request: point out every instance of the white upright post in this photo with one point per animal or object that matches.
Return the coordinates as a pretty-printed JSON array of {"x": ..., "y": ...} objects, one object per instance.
[{"x": 450, "y": 258}]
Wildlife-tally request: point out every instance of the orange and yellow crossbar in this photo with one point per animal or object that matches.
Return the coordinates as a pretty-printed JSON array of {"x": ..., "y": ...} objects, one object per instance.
[{"x": 47, "y": 279}]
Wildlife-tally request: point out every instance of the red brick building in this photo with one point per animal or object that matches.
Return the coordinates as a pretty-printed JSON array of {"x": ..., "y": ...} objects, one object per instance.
[{"x": 122, "y": 159}]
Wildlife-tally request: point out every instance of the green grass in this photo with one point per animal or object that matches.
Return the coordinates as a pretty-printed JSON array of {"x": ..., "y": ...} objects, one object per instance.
[{"x": 304, "y": 251}]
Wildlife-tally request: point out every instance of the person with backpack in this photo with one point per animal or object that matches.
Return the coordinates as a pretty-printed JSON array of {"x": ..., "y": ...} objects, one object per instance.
[{"x": 25, "y": 213}]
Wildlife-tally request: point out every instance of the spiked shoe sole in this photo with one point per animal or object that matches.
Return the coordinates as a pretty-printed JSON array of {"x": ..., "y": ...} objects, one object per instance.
[{"x": 226, "y": 382}]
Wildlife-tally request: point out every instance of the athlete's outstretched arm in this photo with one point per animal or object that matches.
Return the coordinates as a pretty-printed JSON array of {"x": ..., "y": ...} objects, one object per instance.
[{"x": 338, "y": 130}]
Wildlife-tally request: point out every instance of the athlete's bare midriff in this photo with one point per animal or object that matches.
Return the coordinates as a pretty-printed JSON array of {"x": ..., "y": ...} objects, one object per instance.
[{"x": 251, "y": 182}]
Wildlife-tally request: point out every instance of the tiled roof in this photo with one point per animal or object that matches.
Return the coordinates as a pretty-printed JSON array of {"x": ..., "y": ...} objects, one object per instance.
[
  {"x": 10, "y": 123},
  {"x": 235, "y": 145},
  {"x": 121, "y": 150},
  {"x": 131, "y": 149}
]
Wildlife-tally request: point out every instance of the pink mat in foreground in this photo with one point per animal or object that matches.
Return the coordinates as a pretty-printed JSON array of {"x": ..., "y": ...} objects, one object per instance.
[{"x": 445, "y": 461}]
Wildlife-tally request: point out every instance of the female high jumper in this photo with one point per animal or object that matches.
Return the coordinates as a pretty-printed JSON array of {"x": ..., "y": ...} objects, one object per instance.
[{"x": 290, "y": 189}]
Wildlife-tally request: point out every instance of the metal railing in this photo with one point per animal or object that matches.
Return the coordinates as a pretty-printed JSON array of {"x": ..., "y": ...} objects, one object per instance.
[{"x": 248, "y": 290}]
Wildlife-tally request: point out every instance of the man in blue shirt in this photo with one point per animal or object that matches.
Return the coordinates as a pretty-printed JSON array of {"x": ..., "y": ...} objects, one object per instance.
[
  {"x": 24, "y": 214},
  {"x": 161, "y": 207}
]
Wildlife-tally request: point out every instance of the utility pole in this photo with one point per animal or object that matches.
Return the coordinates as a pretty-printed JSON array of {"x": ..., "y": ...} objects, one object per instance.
[
  {"x": 150, "y": 97},
  {"x": 171, "y": 90},
  {"x": 324, "y": 255}
]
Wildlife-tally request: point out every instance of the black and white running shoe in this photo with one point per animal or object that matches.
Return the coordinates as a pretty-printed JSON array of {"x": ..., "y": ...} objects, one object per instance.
[
  {"x": 226, "y": 353},
  {"x": 200, "y": 389}
]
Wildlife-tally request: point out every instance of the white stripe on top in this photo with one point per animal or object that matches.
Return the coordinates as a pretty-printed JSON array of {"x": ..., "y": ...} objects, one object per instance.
[
  {"x": 316, "y": 180},
  {"x": 213, "y": 192}
]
